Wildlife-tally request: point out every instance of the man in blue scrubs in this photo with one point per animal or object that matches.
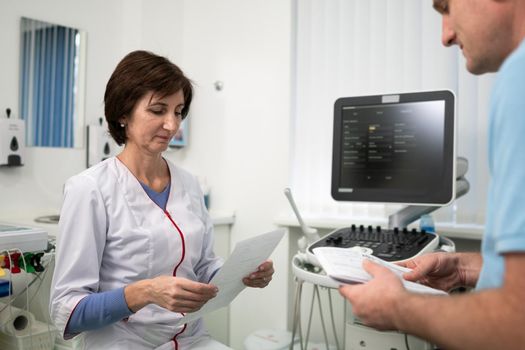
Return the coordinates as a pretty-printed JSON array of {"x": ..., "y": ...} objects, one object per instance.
[{"x": 491, "y": 35}]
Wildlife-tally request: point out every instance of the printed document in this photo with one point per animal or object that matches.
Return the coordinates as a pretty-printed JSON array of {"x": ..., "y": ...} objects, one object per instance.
[
  {"x": 345, "y": 265},
  {"x": 244, "y": 259}
]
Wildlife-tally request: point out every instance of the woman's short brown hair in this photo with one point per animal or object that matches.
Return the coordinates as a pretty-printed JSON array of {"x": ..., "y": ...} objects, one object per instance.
[{"x": 138, "y": 73}]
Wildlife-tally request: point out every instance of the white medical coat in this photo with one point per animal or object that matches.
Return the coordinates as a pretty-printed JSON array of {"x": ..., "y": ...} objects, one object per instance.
[{"x": 112, "y": 234}]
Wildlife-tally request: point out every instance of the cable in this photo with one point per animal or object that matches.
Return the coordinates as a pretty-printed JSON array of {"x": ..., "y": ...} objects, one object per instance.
[
  {"x": 297, "y": 315},
  {"x": 27, "y": 293},
  {"x": 10, "y": 285},
  {"x": 310, "y": 319},
  {"x": 316, "y": 290},
  {"x": 40, "y": 277},
  {"x": 406, "y": 341},
  {"x": 37, "y": 278},
  {"x": 11, "y": 299},
  {"x": 332, "y": 317}
]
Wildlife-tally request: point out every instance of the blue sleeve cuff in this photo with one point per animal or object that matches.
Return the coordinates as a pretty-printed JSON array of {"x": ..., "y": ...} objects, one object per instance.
[{"x": 98, "y": 310}]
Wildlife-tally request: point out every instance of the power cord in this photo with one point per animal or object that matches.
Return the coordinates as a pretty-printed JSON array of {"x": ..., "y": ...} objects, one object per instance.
[{"x": 38, "y": 276}]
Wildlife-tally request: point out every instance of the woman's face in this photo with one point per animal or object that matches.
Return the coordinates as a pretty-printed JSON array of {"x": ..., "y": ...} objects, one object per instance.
[{"x": 153, "y": 122}]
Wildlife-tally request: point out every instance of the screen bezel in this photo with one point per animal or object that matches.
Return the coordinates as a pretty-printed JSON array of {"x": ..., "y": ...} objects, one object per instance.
[{"x": 444, "y": 193}]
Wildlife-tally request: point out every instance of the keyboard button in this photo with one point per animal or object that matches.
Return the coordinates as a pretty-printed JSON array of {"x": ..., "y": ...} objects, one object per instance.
[{"x": 391, "y": 245}]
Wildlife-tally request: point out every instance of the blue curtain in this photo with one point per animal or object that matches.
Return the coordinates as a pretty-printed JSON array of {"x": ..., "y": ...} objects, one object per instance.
[{"x": 48, "y": 74}]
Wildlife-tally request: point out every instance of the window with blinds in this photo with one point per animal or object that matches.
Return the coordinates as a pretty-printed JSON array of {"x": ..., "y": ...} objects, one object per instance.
[
  {"x": 49, "y": 88},
  {"x": 346, "y": 48}
]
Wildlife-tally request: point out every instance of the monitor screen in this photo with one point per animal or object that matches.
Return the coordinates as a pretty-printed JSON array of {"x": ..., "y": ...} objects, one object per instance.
[{"x": 396, "y": 148}]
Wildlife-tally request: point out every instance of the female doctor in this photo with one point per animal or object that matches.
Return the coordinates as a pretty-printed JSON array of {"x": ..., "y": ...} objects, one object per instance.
[{"x": 135, "y": 246}]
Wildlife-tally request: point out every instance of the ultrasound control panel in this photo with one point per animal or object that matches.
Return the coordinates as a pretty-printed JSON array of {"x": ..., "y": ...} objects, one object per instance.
[{"x": 390, "y": 245}]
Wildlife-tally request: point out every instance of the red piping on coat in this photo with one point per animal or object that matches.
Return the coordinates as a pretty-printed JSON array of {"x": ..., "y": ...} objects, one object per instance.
[
  {"x": 183, "y": 243},
  {"x": 175, "y": 270}
]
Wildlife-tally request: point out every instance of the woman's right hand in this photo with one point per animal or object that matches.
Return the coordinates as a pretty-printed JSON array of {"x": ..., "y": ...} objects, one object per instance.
[
  {"x": 180, "y": 294},
  {"x": 173, "y": 293},
  {"x": 444, "y": 271}
]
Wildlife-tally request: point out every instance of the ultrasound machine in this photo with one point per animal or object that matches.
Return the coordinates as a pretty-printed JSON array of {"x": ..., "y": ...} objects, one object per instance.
[{"x": 393, "y": 148}]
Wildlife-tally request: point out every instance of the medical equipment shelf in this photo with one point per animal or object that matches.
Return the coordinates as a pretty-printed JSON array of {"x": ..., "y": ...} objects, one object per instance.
[{"x": 26, "y": 239}]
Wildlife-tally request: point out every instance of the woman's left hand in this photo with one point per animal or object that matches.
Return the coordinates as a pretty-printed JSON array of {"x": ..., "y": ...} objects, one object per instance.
[{"x": 260, "y": 278}]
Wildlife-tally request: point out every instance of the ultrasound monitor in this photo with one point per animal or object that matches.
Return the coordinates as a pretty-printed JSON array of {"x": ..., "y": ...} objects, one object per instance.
[{"x": 396, "y": 148}]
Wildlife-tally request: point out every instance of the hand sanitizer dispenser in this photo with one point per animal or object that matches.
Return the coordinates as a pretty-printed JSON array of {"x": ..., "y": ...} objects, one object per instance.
[
  {"x": 100, "y": 144},
  {"x": 12, "y": 141}
]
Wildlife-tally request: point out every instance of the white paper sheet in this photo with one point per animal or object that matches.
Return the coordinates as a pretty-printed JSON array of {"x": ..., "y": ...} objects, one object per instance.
[
  {"x": 244, "y": 259},
  {"x": 346, "y": 265}
]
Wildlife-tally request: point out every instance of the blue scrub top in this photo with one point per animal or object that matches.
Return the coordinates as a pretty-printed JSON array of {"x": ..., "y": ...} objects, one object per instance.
[{"x": 505, "y": 225}]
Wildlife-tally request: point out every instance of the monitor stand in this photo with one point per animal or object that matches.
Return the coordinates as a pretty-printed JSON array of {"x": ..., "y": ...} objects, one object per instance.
[{"x": 411, "y": 213}]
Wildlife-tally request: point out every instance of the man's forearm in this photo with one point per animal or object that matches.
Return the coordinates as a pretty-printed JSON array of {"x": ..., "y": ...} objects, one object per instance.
[{"x": 481, "y": 320}]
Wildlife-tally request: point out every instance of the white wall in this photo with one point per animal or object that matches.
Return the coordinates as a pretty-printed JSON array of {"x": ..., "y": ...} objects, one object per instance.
[
  {"x": 37, "y": 186},
  {"x": 238, "y": 137}
]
